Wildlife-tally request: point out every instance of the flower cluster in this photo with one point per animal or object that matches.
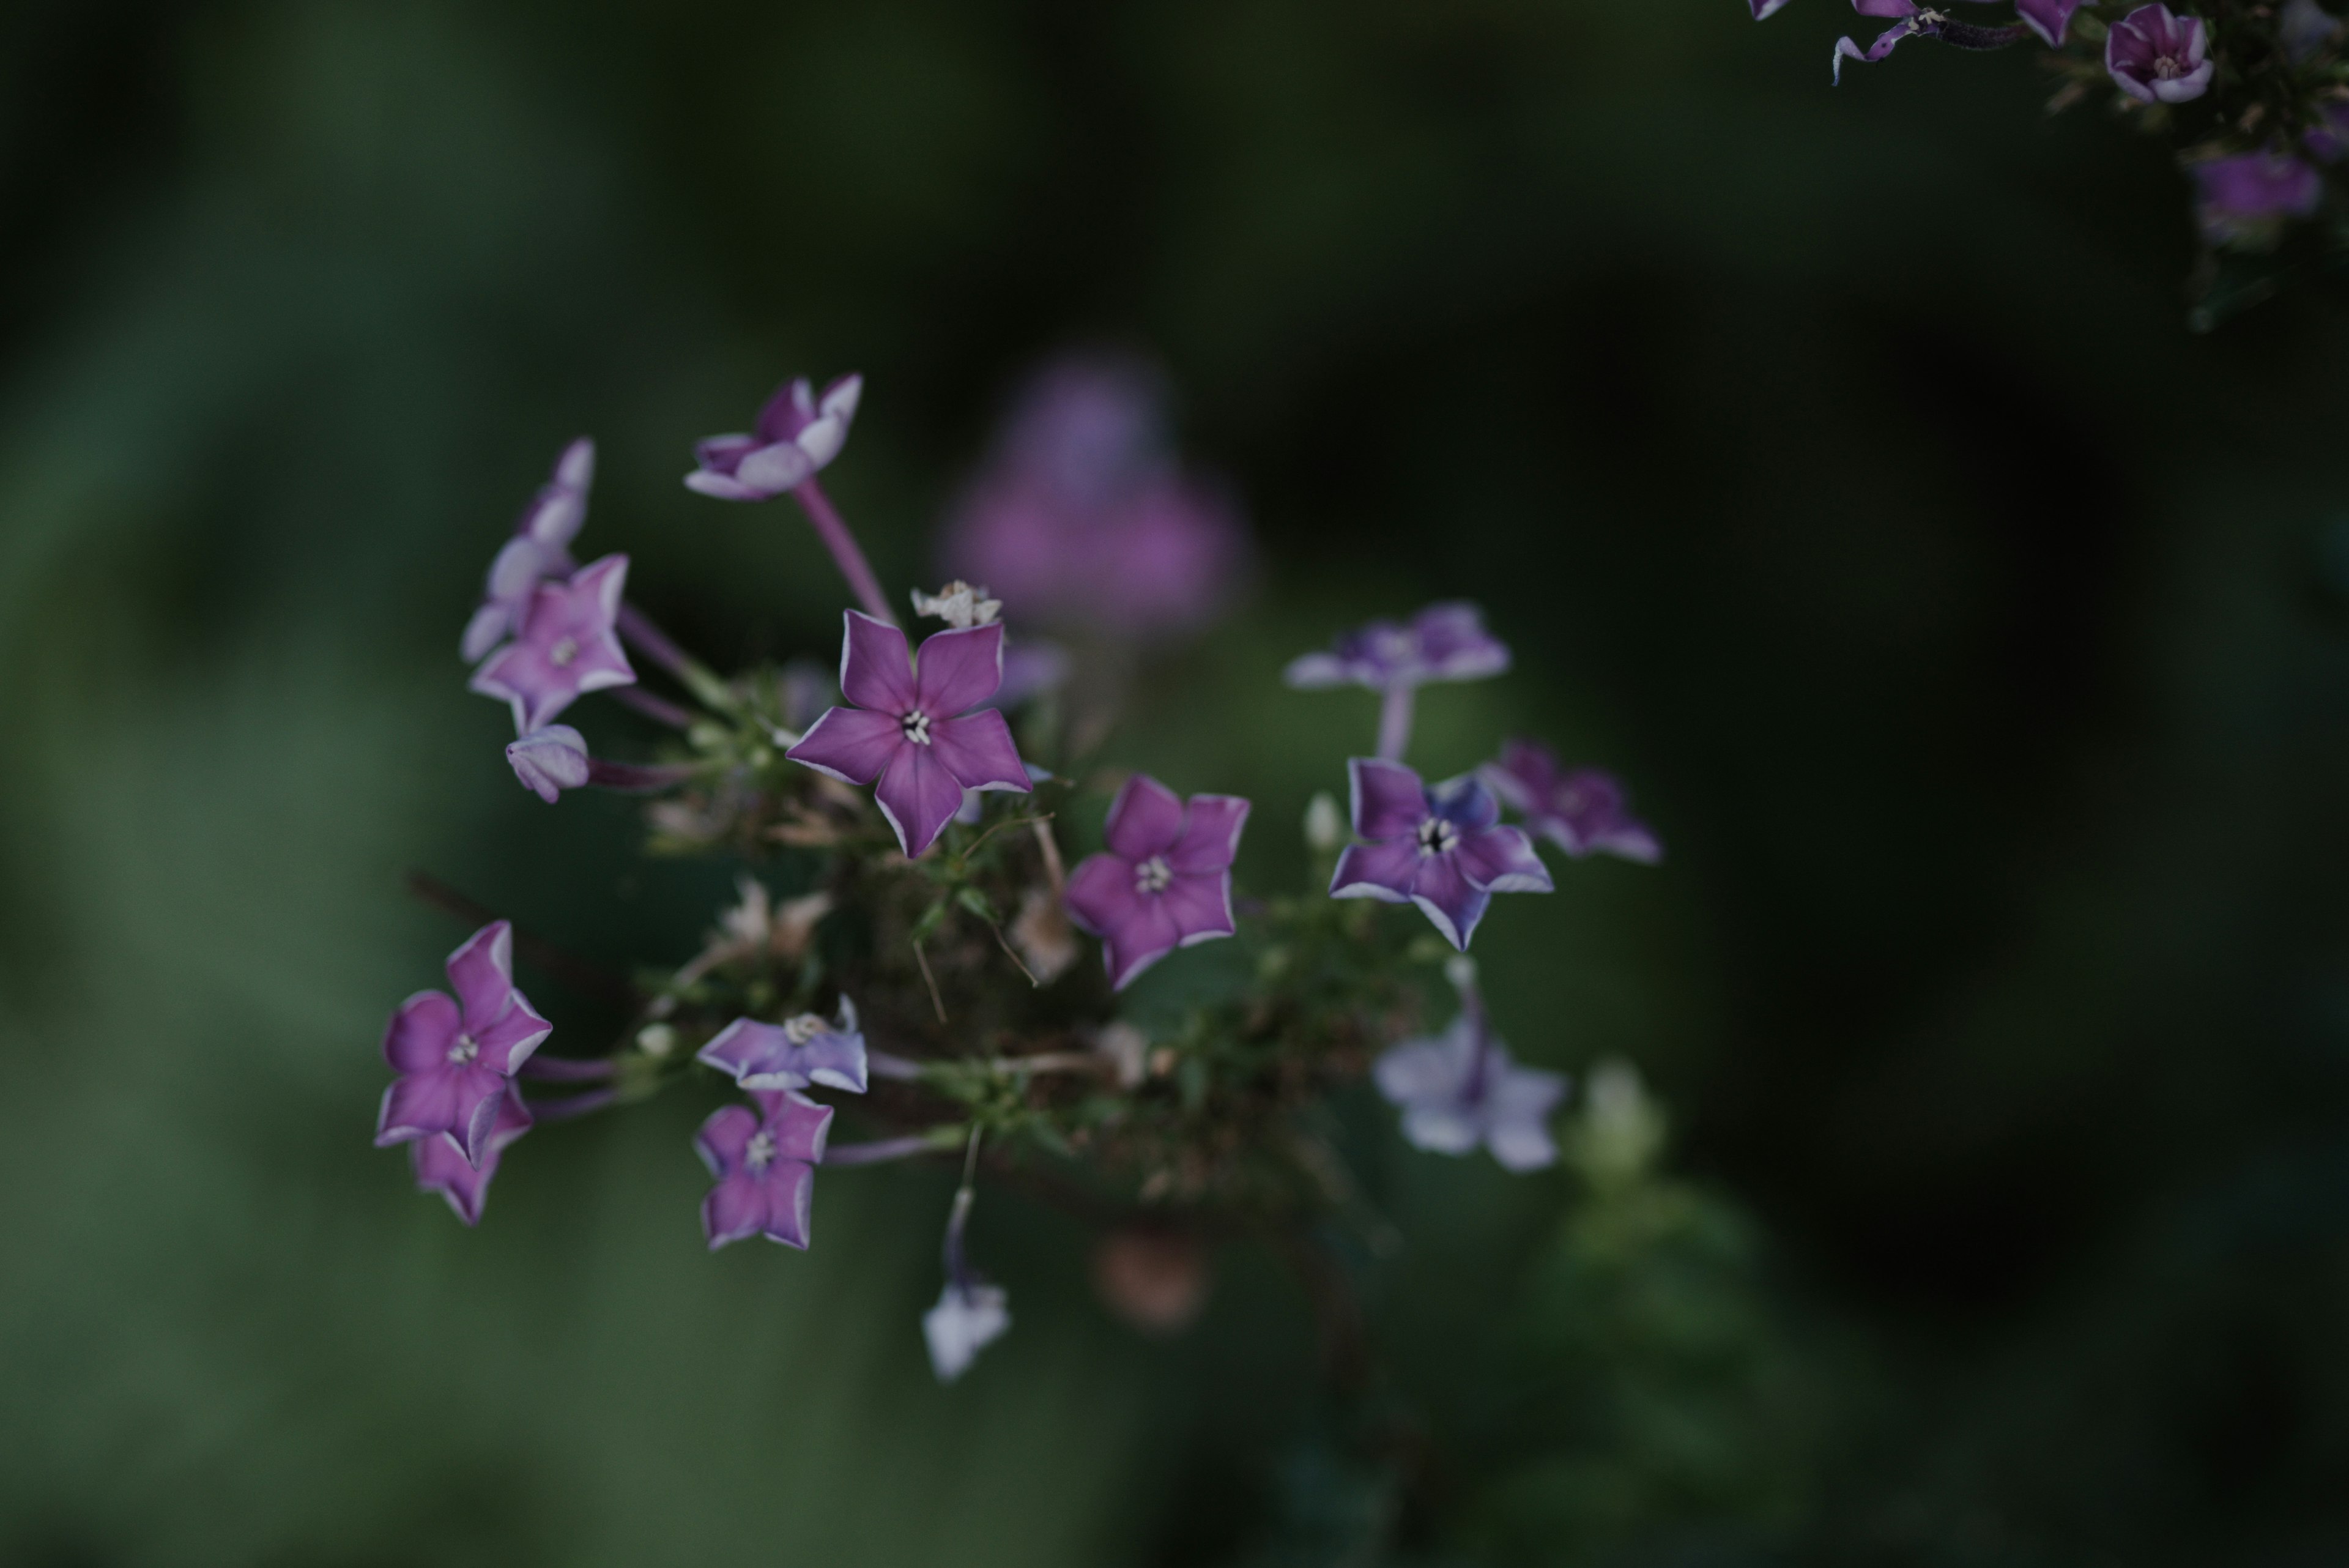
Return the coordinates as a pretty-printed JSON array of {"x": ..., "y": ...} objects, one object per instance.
[{"x": 903, "y": 952}]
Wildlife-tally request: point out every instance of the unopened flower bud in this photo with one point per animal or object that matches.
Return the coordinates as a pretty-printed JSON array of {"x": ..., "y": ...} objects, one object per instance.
[
  {"x": 657, "y": 1040},
  {"x": 1325, "y": 825}
]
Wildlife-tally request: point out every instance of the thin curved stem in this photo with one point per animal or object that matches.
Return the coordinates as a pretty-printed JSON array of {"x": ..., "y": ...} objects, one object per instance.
[
  {"x": 881, "y": 1150},
  {"x": 568, "y": 1069},
  {"x": 1394, "y": 721},
  {"x": 826, "y": 520}
]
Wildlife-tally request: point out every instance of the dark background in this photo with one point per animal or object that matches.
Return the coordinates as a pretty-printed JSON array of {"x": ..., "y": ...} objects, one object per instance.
[{"x": 1837, "y": 463}]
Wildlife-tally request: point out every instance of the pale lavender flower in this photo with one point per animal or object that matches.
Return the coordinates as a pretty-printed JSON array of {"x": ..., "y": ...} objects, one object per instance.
[
  {"x": 454, "y": 1058},
  {"x": 1442, "y": 642},
  {"x": 1084, "y": 517},
  {"x": 540, "y": 549},
  {"x": 1459, "y": 1089},
  {"x": 764, "y": 1163},
  {"x": 2155, "y": 55},
  {"x": 800, "y": 1051},
  {"x": 912, "y": 728},
  {"x": 1164, "y": 881},
  {"x": 796, "y": 436},
  {"x": 550, "y": 760},
  {"x": 2304, "y": 28},
  {"x": 1580, "y": 810},
  {"x": 971, "y": 1315},
  {"x": 2246, "y": 197},
  {"x": 567, "y": 647},
  {"x": 440, "y": 1165},
  {"x": 2048, "y": 18},
  {"x": 1437, "y": 848}
]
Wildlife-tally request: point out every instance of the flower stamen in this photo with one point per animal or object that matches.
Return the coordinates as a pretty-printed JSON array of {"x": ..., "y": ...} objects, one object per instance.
[
  {"x": 1437, "y": 836},
  {"x": 916, "y": 727},
  {"x": 1153, "y": 875},
  {"x": 464, "y": 1048}
]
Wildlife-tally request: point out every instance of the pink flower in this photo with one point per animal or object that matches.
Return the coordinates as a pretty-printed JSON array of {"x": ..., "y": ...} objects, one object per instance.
[
  {"x": 455, "y": 1058},
  {"x": 796, "y": 436},
  {"x": 566, "y": 647},
  {"x": 1165, "y": 880},
  {"x": 440, "y": 1165}
]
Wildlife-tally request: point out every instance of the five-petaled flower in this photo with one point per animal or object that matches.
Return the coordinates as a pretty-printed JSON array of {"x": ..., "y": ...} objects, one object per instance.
[
  {"x": 1164, "y": 881},
  {"x": 765, "y": 1166},
  {"x": 793, "y": 1054},
  {"x": 1460, "y": 1088},
  {"x": 2156, "y": 56},
  {"x": 440, "y": 1165},
  {"x": 912, "y": 728},
  {"x": 797, "y": 434},
  {"x": 1580, "y": 810},
  {"x": 567, "y": 647},
  {"x": 1442, "y": 642},
  {"x": 454, "y": 1058},
  {"x": 1435, "y": 847},
  {"x": 971, "y": 1315},
  {"x": 540, "y": 549}
]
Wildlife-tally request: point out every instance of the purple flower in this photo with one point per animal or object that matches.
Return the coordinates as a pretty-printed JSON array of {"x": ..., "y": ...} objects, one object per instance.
[
  {"x": 1165, "y": 880},
  {"x": 550, "y": 760},
  {"x": 1460, "y": 1088},
  {"x": 566, "y": 647},
  {"x": 765, "y": 1167},
  {"x": 540, "y": 549},
  {"x": 1084, "y": 517},
  {"x": 1436, "y": 847},
  {"x": 797, "y": 435},
  {"x": 913, "y": 728},
  {"x": 454, "y": 1058},
  {"x": 1918, "y": 21},
  {"x": 1442, "y": 642},
  {"x": 1580, "y": 810},
  {"x": 793, "y": 1054},
  {"x": 2156, "y": 56},
  {"x": 2048, "y": 18},
  {"x": 2304, "y": 28},
  {"x": 971, "y": 1315},
  {"x": 2239, "y": 198},
  {"x": 2329, "y": 141},
  {"x": 440, "y": 1165}
]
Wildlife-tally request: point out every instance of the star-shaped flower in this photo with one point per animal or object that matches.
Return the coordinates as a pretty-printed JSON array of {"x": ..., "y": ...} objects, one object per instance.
[
  {"x": 1442, "y": 642},
  {"x": 765, "y": 1166},
  {"x": 440, "y": 1165},
  {"x": 1436, "y": 847},
  {"x": 567, "y": 647},
  {"x": 797, "y": 434},
  {"x": 540, "y": 549},
  {"x": 454, "y": 1058},
  {"x": 913, "y": 728},
  {"x": 1580, "y": 810},
  {"x": 1459, "y": 1089},
  {"x": 971, "y": 1315},
  {"x": 1164, "y": 881},
  {"x": 792, "y": 1054}
]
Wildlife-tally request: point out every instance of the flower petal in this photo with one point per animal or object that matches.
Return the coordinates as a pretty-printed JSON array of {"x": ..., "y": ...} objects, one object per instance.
[
  {"x": 482, "y": 969},
  {"x": 800, "y": 1125},
  {"x": 1425, "y": 1071},
  {"x": 978, "y": 750},
  {"x": 1382, "y": 871},
  {"x": 958, "y": 671},
  {"x": 967, "y": 1319},
  {"x": 1449, "y": 900},
  {"x": 1441, "y": 1128},
  {"x": 420, "y": 1032},
  {"x": 735, "y": 1209},
  {"x": 1389, "y": 801},
  {"x": 1502, "y": 861},
  {"x": 508, "y": 1040},
  {"x": 1517, "y": 1112},
  {"x": 1317, "y": 672},
  {"x": 724, "y": 1135},
  {"x": 853, "y": 744},
  {"x": 1101, "y": 897},
  {"x": 743, "y": 1047},
  {"x": 875, "y": 671},
  {"x": 1211, "y": 834},
  {"x": 787, "y": 413},
  {"x": 722, "y": 486},
  {"x": 1464, "y": 803},
  {"x": 772, "y": 470},
  {"x": 1200, "y": 904},
  {"x": 1141, "y": 941},
  {"x": 789, "y": 1191},
  {"x": 1145, "y": 819},
  {"x": 918, "y": 796}
]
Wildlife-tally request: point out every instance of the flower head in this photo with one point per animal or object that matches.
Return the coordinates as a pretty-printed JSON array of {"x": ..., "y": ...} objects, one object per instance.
[
  {"x": 2243, "y": 197},
  {"x": 1460, "y": 1088},
  {"x": 1436, "y": 847},
  {"x": 1580, "y": 810},
  {"x": 797, "y": 434},
  {"x": 913, "y": 728},
  {"x": 971, "y": 1315},
  {"x": 1084, "y": 517},
  {"x": 765, "y": 1166},
  {"x": 2156, "y": 56},
  {"x": 440, "y": 1165},
  {"x": 793, "y": 1054},
  {"x": 1166, "y": 879},
  {"x": 454, "y": 1058},
  {"x": 540, "y": 549},
  {"x": 1442, "y": 642},
  {"x": 566, "y": 647},
  {"x": 550, "y": 760}
]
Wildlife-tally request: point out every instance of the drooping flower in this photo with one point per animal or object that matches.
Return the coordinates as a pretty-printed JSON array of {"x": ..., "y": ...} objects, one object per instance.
[
  {"x": 764, "y": 1163},
  {"x": 1442, "y": 642},
  {"x": 796, "y": 436},
  {"x": 2048, "y": 18},
  {"x": 440, "y": 1165},
  {"x": 913, "y": 728},
  {"x": 567, "y": 647},
  {"x": 971, "y": 1315},
  {"x": 1914, "y": 21},
  {"x": 1580, "y": 810},
  {"x": 550, "y": 760},
  {"x": 540, "y": 549},
  {"x": 793, "y": 1054},
  {"x": 454, "y": 1058},
  {"x": 1084, "y": 517},
  {"x": 1438, "y": 849},
  {"x": 1461, "y": 1088},
  {"x": 2243, "y": 197},
  {"x": 1166, "y": 879},
  {"x": 2156, "y": 56}
]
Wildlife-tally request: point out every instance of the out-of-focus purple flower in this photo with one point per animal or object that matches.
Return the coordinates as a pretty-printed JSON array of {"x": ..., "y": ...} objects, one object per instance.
[
  {"x": 2329, "y": 142},
  {"x": 793, "y": 1054},
  {"x": 567, "y": 647},
  {"x": 913, "y": 728},
  {"x": 2156, "y": 57},
  {"x": 2238, "y": 198},
  {"x": 1442, "y": 642},
  {"x": 1580, "y": 810},
  {"x": 455, "y": 1058},
  {"x": 2304, "y": 28},
  {"x": 2048, "y": 18},
  {"x": 1082, "y": 517},
  {"x": 440, "y": 1165},
  {"x": 550, "y": 760},
  {"x": 971, "y": 1315},
  {"x": 765, "y": 1166},
  {"x": 1030, "y": 669},
  {"x": 1460, "y": 1088},
  {"x": 1164, "y": 881},
  {"x": 540, "y": 549},
  {"x": 1437, "y": 848},
  {"x": 797, "y": 434}
]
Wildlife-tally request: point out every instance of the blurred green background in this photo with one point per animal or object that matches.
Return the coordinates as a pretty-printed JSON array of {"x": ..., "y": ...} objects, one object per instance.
[{"x": 1837, "y": 463}]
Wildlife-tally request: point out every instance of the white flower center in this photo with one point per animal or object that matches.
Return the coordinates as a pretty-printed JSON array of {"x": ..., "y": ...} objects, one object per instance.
[
  {"x": 760, "y": 1153},
  {"x": 1153, "y": 875},
  {"x": 563, "y": 652},
  {"x": 465, "y": 1049},
  {"x": 803, "y": 1028},
  {"x": 1437, "y": 836},
  {"x": 2167, "y": 67},
  {"x": 916, "y": 727}
]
